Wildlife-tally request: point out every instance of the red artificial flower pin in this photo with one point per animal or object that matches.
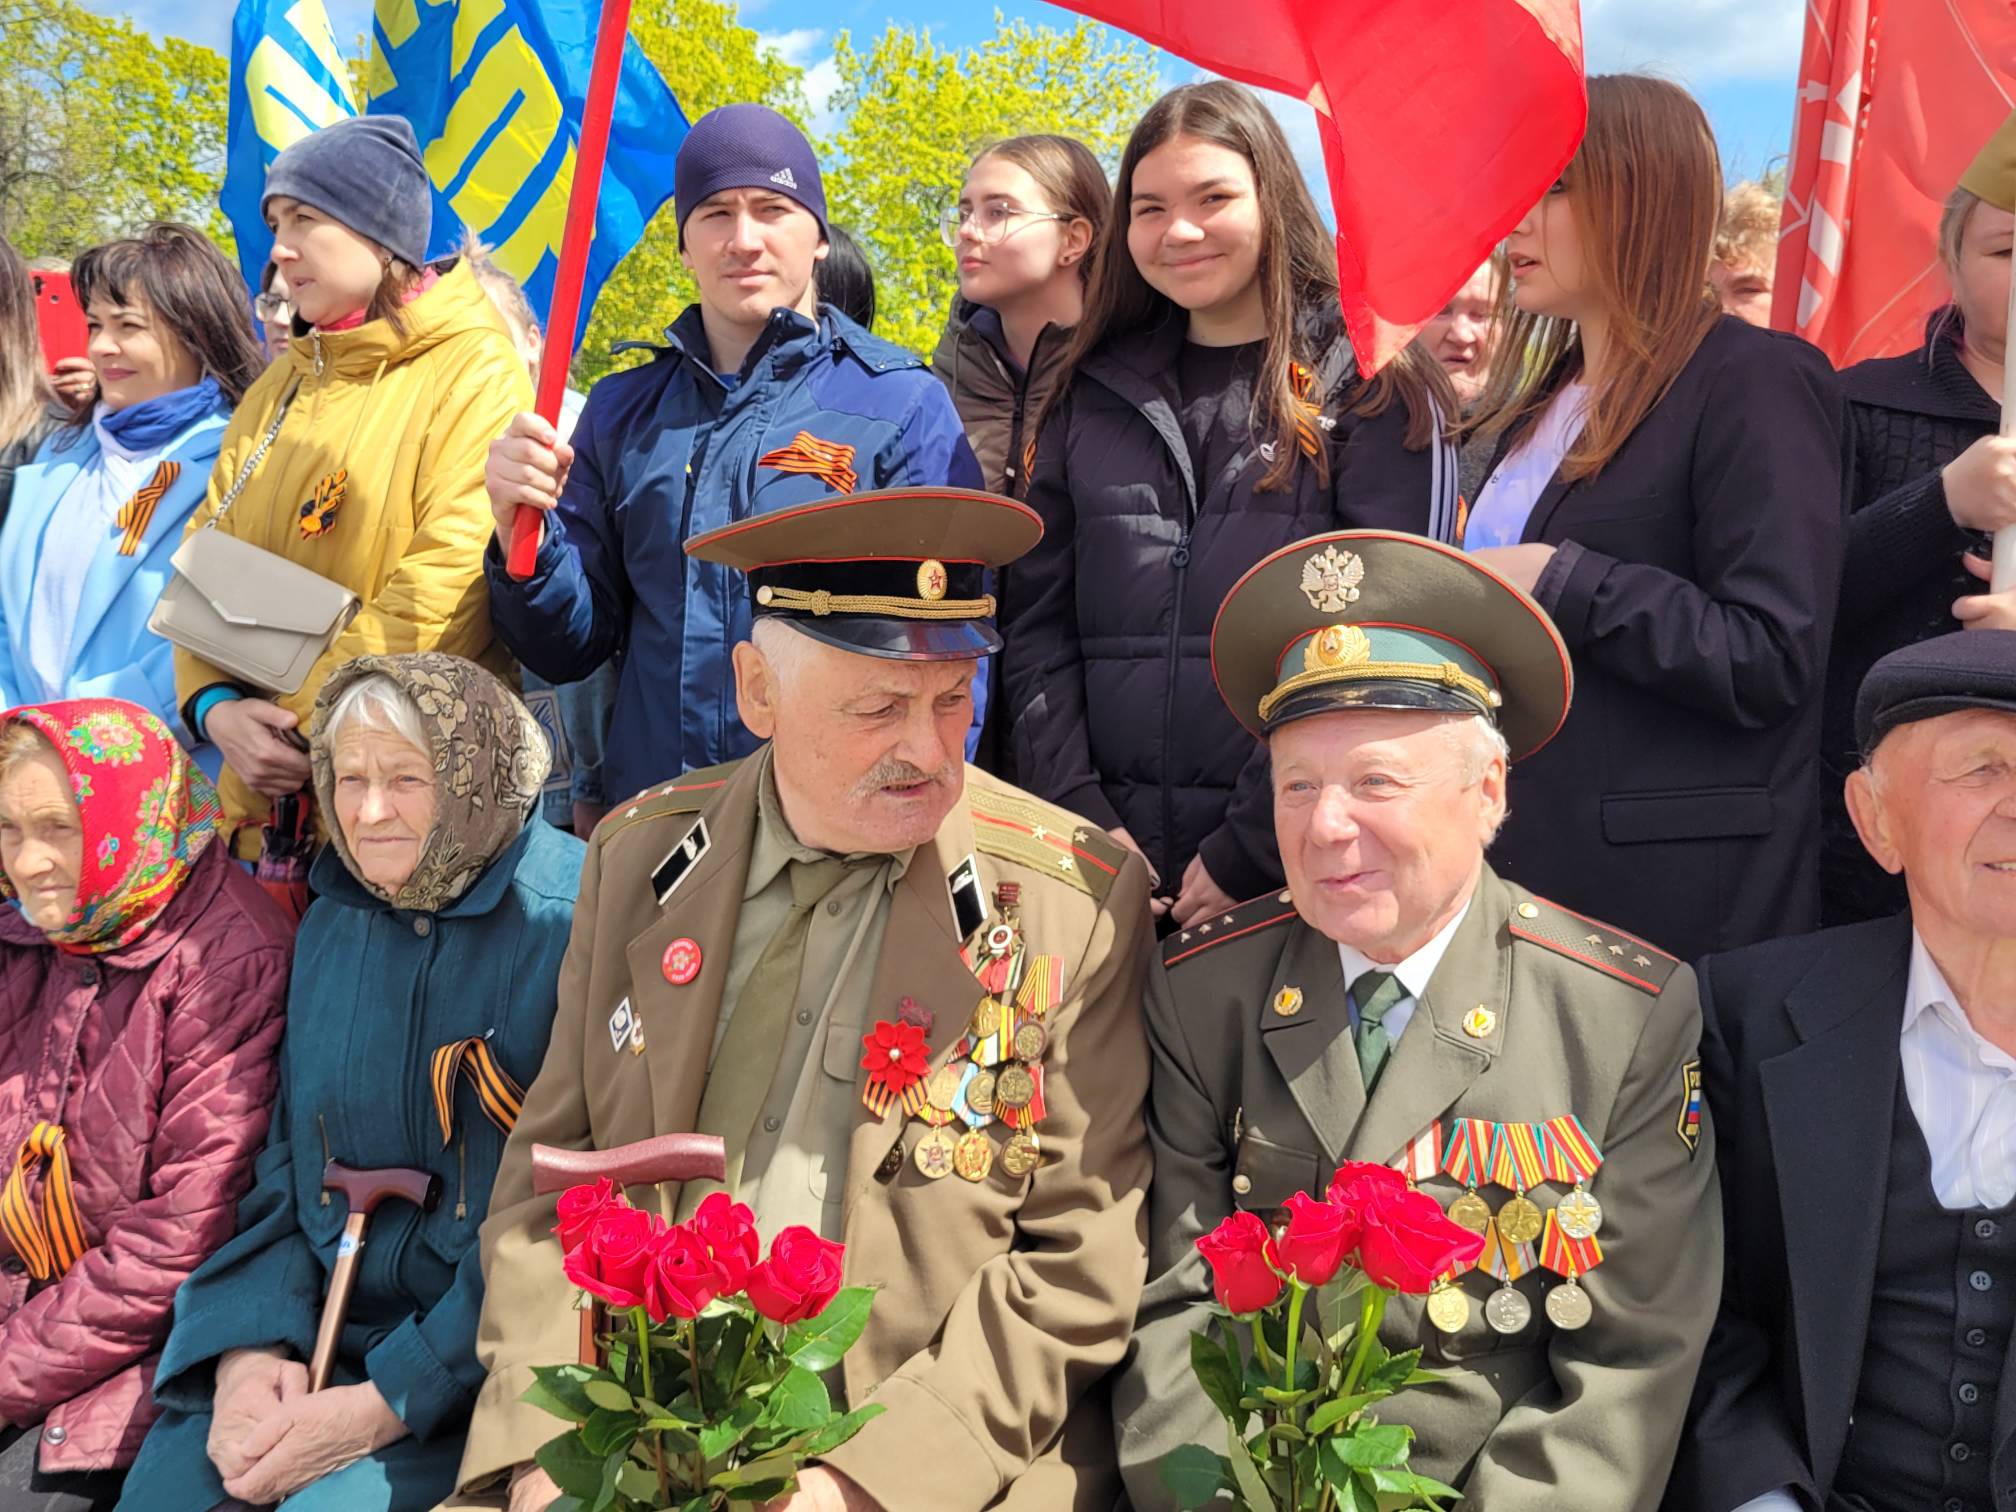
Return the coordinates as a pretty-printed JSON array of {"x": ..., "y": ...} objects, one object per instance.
[{"x": 895, "y": 1056}]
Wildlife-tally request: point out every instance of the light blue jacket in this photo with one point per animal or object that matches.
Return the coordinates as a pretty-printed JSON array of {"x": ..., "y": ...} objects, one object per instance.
[{"x": 112, "y": 654}]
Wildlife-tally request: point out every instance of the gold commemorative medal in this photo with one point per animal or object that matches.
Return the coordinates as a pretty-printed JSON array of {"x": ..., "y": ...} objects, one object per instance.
[
  {"x": 1014, "y": 1087},
  {"x": 1579, "y": 1214},
  {"x": 1520, "y": 1222},
  {"x": 987, "y": 1018},
  {"x": 934, "y": 1154},
  {"x": 1021, "y": 1154},
  {"x": 1568, "y": 1305},
  {"x": 942, "y": 1091},
  {"x": 1506, "y": 1309},
  {"x": 1471, "y": 1212},
  {"x": 1448, "y": 1307},
  {"x": 1029, "y": 1041},
  {"x": 980, "y": 1094},
  {"x": 973, "y": 1156}
]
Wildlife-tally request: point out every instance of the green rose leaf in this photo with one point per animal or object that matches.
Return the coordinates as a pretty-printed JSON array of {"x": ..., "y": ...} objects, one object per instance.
[
  {"x": 574, "y": 1468},
  {"x": 1215, "y": 1374},
  {"x": 1246, "y": 1476},
  {"x": 841, "y": 1429},
  {"x": 1333, "y": 1412},
  {"x": 608, "y": 1394},
  {"x": 818, "y": 1343},
  {"x": 718, "y": 1437},
  {"x": 1392, "y": 1373},
  {"x": 798, "y": 1401},
  {"x": 560, "y": 1390},
  {"x": 1195, "y": 1476},
  {"x": 1373, "y": 1445}
]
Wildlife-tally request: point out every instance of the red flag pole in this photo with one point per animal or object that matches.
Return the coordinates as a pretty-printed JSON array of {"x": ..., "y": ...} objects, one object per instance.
[{"x": 528, "y": 528}]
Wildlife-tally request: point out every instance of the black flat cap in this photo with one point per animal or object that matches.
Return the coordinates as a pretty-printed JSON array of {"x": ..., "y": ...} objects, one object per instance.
[{"x": 1968, "y": 669}]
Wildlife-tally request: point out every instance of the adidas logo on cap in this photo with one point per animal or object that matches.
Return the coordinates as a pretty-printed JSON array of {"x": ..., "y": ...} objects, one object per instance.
[{"x": 783, "y": 176}]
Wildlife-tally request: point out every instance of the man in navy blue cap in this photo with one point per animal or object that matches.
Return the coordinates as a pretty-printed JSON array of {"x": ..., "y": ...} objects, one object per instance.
[
  {"x": 1863, "y": 1084},
  {"x": 760, "y": 399}
]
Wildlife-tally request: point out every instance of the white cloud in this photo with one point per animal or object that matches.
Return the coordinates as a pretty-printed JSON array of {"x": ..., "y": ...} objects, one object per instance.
[
  {"x": 796, "y": 46},
  {"x": 800, "y": 47},
  {"x": 1698, "y": 42}
]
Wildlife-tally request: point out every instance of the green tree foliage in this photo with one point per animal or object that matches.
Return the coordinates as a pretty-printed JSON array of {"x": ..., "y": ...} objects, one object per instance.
[
  {"x": 913, "y": 114},
  {"x": 103, "y": 128}
]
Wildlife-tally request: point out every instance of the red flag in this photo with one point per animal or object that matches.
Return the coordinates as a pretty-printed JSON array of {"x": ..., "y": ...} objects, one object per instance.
[
  {"x": 1895, "y": 98},
  {"x": 1428, "y": 171}
]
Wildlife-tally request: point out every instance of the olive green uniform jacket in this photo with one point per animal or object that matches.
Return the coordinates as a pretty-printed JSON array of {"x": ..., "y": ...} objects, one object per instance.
[
  {"x": 1249, "y": 1105},
  {"x": 1004, "y": 1301}
]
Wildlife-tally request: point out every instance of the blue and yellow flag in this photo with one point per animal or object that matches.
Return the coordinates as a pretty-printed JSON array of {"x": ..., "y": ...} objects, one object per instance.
[
  {"x": 495, "y": 91},
  {"x": 287, "y": 80}
]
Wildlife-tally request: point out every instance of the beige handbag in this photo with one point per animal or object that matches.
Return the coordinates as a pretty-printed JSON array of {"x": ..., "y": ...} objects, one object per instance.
[{"x": 248, "y": 611}]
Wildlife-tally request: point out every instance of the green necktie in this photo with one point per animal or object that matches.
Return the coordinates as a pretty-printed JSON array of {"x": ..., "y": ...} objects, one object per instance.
[
  {"x": 746, "y": 1064},
  {"x": 1375, "y": 993}
]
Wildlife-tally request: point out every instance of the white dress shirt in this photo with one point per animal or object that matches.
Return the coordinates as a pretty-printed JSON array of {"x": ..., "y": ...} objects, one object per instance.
[
  {"x": 1413, "y": 972},
  {"x": 1962, "y": 1091}
]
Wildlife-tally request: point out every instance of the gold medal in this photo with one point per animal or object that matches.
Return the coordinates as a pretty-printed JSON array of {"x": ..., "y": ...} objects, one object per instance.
[
  {"x": 973, "y": 1156},
  {"x": 1471, "y": 1212},
  {"x": 1029, "y": 1041},
  {"x": 1014, "y": 1087},
  {"x": 934, "y": 1154},
  {"x": 1568, "y": 1305},
  {"x": 980, "y": 1094},
  {"x": 1520, "y": 1222},
  {"x": 1579, "y": 1214},
  {"x": 1506, "y": 1309},
  {"x": 986, "y": 1018},
  {"x": 1021, "y": 1154},
  {"x": 1448, "y": 1307},
  {"x": 942, "y": 1091}
]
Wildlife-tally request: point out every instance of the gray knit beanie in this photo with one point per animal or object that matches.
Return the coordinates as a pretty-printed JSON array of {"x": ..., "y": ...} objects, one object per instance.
[{"x": 366, "y": 172}]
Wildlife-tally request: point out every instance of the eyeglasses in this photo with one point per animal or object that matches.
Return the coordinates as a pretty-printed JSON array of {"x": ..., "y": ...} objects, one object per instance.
[
  {"x": 272, "y": 309},
  {"x": 993, "y": 223}
]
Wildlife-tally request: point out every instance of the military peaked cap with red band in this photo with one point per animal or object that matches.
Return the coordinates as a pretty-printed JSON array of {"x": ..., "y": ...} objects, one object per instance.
[
  {"x": 1373, "y": 619},
  {"x": 901, "y": 573}
]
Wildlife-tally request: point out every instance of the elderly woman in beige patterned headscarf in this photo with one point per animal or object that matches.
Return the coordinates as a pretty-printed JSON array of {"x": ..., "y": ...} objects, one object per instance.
[{"x": 422, "y": 998}]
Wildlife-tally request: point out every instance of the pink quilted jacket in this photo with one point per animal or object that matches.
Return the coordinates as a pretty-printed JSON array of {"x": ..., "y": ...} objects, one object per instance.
[{"x": 159, "y": 1060}]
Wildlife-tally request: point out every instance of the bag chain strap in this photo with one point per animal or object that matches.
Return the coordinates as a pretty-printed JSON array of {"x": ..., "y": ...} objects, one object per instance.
[{"x": 252, "y": 462}]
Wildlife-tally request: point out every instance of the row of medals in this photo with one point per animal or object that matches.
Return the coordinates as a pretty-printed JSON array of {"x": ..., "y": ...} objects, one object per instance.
[
  {"x": 992, "y": 1093},
  {"x": 1519, "y": 1221}
]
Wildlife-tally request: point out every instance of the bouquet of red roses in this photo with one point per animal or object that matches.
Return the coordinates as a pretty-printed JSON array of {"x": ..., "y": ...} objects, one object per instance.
[
  {"x": 712, "y": 1393},
  {"x": 1314, "y": 1291}
]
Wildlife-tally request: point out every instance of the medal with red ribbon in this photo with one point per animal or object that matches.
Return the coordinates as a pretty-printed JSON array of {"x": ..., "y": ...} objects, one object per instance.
[
  {"x": 1423, "y": 1156},
  {"x": 896, "y": 1058},
  {"x": 1042, "y": 985},
  {"x": 1517, "y": 1162},
  {"x": 1467, "y": 1158},
  {"x": 1572, "y": 1156},
  {"x": 1565, "y": 1255}
]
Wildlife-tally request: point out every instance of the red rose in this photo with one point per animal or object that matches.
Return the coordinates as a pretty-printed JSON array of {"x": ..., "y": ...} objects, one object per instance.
[
  {"x": 1318, "y": 1237},
  {"x": 614, "y": 1256},
  {"x": 1239, "y": 1253},
  {"x": 1357, "y": 1180},
  {"x": 729, "y": 1229},
  {"x": 1408, "y": 1241},
  {"x": 683, "y": 1277},
  {"x": 579, "y": 1207},
  {"x": 801, "y": 1276},
  {"x": 895, "y": 1054}
]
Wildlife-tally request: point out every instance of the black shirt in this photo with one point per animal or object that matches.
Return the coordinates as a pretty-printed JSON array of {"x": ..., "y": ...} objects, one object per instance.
[{"x": 1216, "y": 385}]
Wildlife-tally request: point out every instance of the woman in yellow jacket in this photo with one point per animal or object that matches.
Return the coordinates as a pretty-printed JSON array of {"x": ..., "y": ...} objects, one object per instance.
[{"x": 399, "y": 377}]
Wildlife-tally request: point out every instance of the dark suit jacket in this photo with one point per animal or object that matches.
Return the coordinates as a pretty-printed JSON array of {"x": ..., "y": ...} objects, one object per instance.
[
  {"x": 1695, "y": 581},
  {"x": 1800, "y": 1063}
]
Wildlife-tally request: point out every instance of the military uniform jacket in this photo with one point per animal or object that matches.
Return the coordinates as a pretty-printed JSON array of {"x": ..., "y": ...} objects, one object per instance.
[
  {"x": 1003, "y": 1300},
  {"x": 1249, "y": 1105}
]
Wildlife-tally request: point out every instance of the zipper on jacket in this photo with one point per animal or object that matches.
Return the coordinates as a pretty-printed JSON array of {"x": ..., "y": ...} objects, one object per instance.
[
  {"x": 315, "y": 346},
  {"x": 1180, "y": 560}
]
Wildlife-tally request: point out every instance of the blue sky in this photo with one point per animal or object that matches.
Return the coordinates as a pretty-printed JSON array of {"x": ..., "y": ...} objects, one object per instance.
[{"x": 1739, "y": 56}]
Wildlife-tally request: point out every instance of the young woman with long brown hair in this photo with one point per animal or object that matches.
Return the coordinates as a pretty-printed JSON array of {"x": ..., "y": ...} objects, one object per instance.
[
  {"x": 25, "y": 395},
  {"x": 1666, "y": 482},
  {"x": 1212, "y": 413}
]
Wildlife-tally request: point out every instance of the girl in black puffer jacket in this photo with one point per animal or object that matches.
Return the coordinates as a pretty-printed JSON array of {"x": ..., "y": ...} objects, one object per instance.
[{"x": 1211, "y": 412}]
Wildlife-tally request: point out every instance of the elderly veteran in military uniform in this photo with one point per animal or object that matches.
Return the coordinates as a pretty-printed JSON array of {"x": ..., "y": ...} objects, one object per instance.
[
  {"x": 1532, "y": 1069},
  {"x": 1865, "y": 1078},
  {"x": 742, "y": 930}
]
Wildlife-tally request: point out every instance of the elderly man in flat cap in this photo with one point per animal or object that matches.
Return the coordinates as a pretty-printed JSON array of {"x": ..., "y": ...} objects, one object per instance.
[
  {"x": 1530, "y": 1068},
  {"x": 744, "y": 929},
  {"x": 1863, "y": 1081}
]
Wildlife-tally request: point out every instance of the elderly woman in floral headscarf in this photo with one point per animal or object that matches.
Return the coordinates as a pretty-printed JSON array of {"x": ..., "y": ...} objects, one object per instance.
[
  {"x": 423, "y": 995},
  {"x": 142, "y": 981}
]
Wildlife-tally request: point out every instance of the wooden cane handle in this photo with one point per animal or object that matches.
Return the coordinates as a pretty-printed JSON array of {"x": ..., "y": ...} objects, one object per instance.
[
  {"x": 364, "y": 1190},
  {"x": 667, "y": 1157}
]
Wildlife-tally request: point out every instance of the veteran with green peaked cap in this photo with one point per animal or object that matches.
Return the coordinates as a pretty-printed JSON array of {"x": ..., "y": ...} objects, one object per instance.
[
  {"x": 1533, "y": 1070},
  {"x": 1991, "y": 177},
  {"x": 748, "y": 934}
]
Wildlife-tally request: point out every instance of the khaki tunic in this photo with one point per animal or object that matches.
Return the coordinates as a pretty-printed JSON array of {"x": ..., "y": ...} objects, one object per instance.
[
  {"x": 1004, "y": 1301},
  {"x": 1249, "y": 1106}
]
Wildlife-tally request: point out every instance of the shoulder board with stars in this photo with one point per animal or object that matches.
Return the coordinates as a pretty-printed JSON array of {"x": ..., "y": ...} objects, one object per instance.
[
  {"x": 1266, "y": 912},
  {"x": 682, "y": 795},
  {"x": 1595, "y": 944},
  {"x": 1014, "y": 826}
]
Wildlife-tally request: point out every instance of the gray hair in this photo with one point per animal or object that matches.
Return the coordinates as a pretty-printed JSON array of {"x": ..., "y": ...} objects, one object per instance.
[
  {"x": 784, "y": 647},
  {"x": 378, "y": 703},
  {"x": 1477, "y": 740}
]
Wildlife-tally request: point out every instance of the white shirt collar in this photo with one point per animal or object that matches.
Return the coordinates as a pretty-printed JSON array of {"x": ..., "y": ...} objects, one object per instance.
[
  {"x": 1416, "y": 970},
  {"x": 1927, "y": 991}
]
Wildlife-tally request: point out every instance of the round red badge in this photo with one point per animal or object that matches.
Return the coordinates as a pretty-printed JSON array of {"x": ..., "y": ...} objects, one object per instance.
[{"x": 682, "y": 962}]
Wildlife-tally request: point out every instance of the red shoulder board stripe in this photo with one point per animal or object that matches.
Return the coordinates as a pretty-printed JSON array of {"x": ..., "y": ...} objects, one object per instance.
[{"x": 1246, "y": 918}]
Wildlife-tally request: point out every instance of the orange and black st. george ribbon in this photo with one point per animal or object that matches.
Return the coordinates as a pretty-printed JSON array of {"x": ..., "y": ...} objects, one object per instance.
[
  {"x": 1306, "y": 413},
  {"x": 137, "y": 513},
  {"x": 497, "y": 1094},
  {"x": 48, "y": 1243},
  {"x": 318, "y": 515},
  {"x": 832, "y": 461}
]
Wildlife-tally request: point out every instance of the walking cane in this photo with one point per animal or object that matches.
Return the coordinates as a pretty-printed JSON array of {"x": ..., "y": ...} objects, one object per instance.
[
  {"x": 603, "y": 76},
  {"x": 364, "y": 1190},
  {"x": 668, "y": 1157}
]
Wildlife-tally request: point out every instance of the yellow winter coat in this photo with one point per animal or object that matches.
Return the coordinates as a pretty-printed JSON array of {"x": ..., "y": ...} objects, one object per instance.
[{"x": 410, "y": 417}]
